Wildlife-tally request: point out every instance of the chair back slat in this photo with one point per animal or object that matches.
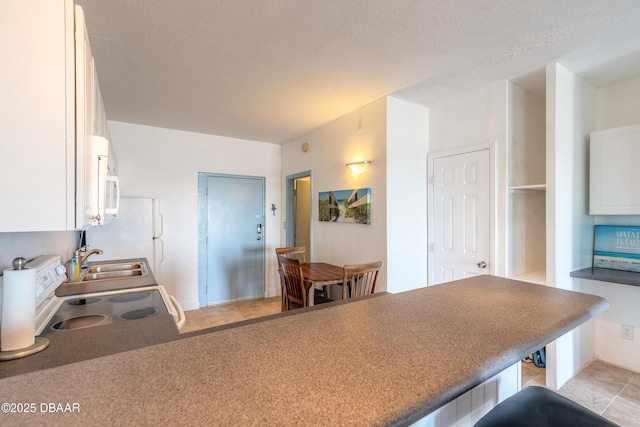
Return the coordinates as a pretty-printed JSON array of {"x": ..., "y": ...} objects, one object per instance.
[
  {"x": 360, "y": 279},
  {"x": 298, "y": 252}
]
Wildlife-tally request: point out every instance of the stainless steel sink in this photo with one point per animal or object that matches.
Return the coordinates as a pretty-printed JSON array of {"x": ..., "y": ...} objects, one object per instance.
[
  {"x": 115, "y": 271},
  {"x": 115, "y": 267}
]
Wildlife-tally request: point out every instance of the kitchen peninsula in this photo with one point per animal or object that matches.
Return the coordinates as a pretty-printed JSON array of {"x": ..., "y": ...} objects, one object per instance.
[{"x": 389, "y": 360}]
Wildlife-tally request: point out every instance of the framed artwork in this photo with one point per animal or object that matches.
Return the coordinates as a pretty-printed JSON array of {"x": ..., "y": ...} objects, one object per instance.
[{"x": 352, "y": 206}]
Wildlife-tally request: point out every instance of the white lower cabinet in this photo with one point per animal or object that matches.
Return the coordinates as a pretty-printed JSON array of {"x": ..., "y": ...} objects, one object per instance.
[{"x": 467, "y": 409}]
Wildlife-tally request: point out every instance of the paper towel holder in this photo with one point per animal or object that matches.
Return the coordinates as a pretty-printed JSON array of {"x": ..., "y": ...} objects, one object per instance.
[{"x": 40, "y": 342}]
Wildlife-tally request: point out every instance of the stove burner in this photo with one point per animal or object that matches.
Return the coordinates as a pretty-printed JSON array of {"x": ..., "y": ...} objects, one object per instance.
[
  {"x": 140, "y": 313},
  {"x": 134, "y": 296},
  {"x": 99, "y": 309},
  {"x": 83, "y": 301},
  {"x": 79, "y": 322}
]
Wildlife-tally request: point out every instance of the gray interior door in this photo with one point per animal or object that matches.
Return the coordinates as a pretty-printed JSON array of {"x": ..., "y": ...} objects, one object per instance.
[{"x": 235, "y": 238}]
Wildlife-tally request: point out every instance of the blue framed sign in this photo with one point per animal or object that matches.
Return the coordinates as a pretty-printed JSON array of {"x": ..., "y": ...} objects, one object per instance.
[{"x": 617, "y": 247}]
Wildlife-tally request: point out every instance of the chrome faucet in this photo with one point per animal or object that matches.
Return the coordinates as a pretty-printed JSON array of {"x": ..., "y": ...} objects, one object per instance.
[{"x": 83, "y": 258}]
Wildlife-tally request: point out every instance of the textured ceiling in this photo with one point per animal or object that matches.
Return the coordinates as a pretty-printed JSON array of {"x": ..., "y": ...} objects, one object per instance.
[{"x": 270, "y": 70}]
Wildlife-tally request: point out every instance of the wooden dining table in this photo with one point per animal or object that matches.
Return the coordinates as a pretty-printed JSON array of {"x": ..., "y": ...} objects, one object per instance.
[{"x": 322, "y": 274}]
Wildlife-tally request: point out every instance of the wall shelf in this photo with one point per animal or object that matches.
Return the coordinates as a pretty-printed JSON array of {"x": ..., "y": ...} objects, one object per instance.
[
  {"x": 630, "y": 278},
  {"x": 526, "y": 179}
]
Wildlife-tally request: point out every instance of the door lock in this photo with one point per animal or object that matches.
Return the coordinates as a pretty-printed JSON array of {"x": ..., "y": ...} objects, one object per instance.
[{"x": 482, "y": 264}]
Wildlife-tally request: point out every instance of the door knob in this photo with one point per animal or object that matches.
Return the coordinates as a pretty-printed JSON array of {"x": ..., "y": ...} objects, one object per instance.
[{"x": 482, "y": 264}]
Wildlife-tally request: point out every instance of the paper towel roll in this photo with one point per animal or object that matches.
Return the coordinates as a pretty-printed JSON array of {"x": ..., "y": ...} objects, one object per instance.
[{"x": 18, "y": 327}]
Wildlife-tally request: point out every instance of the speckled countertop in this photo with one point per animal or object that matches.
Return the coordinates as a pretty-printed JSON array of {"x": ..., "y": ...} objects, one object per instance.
[
  {"x": 380, "y": 361},
  {"x": 82, "y": 344}
]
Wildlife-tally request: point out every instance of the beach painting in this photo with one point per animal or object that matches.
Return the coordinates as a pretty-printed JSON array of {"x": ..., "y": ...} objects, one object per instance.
[
  {"x": 352, "y": 206},
  {"x": 617, "y": 247}
]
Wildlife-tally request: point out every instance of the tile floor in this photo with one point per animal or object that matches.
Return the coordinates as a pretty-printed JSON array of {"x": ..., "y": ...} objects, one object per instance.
[
  {"x": 230, "y": 313},
  {"x": 606, "y": 389},
  {"x": 609, "y": 390},
  {"x": 532, "y": 375}
]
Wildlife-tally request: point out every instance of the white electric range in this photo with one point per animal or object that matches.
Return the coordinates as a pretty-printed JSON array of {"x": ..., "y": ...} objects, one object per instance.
[{"x": 79, "y": 311}]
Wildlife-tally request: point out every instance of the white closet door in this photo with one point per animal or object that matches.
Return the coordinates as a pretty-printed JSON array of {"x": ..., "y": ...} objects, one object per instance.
[{"x": 462, "y": 246}]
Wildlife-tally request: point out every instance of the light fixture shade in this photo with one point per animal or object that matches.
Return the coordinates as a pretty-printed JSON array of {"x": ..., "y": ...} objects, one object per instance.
[{"x": 358, "y": 167}]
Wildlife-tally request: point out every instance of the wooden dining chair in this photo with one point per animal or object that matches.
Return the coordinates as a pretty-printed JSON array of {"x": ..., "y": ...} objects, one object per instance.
[
  {"x": 360, "y": 279},
  {"x": 293, "y": 285},
  {"x": 296, "y": 294},
  {"x": 298, "y": 252}
]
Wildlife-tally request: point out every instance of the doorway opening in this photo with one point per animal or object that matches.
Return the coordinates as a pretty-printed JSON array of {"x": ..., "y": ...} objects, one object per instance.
[{"x": 298, "y": 225}]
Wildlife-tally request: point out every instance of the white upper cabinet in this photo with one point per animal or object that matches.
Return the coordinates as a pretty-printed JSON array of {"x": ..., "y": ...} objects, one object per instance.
[
  {"x": 90, "y": 121},
  {"x": 37, "y": 115},
  {"x": 614, "y": 182},
  {"x": 50, "y": 107}
]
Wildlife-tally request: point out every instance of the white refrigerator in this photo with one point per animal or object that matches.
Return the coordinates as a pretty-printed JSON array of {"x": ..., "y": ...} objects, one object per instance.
[{"x": 134, "y": 233}]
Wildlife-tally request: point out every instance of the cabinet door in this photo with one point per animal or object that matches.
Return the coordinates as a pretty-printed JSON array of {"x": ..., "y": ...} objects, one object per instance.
[
  {"x": 614, "y": 178},
  {"x": 37, "y": 139},
  {"x": 91, "y": 122},
  {"x": 86, "y": 126}
]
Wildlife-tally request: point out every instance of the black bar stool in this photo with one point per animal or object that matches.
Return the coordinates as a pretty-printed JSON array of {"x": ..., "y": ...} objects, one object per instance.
[{"x": 540, "y": 407}]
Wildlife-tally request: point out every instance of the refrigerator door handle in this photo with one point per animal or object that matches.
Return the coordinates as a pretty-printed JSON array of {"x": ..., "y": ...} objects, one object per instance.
[
  {"x": 159, "y": 260},
  {"x": 158, "y": 219}
]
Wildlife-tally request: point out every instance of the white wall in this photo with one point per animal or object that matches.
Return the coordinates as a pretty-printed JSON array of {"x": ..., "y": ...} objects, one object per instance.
[
  {"x": 393, "y": 134},
  {"x": 330, "y": 148},
  {"x": 570, "y": 118},
  {"x": 407, "y": 147},
  {"x": 33, "y": 244},
  {"x": 617, "y": 105},
  {"x": 164, "y": 163},
  {"x": 472, "y": 118}
]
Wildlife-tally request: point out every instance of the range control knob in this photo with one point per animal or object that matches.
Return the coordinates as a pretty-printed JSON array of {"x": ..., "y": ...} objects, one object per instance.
[
  {"x": 39, "y": 289},
  {"x": 60, "y": 270}
]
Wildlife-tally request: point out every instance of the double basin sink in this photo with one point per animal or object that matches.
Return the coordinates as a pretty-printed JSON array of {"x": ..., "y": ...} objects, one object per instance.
[{"x": 115, "y": 270}]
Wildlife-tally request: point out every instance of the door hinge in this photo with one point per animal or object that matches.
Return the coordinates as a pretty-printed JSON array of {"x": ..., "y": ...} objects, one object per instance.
[
  {"x": 433, "y": 180},
  {"x": 285, "y": 225}
]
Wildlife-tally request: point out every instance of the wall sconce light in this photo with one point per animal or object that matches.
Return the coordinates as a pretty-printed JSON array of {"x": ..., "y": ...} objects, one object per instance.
[{"x": 358, "y": 167}]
